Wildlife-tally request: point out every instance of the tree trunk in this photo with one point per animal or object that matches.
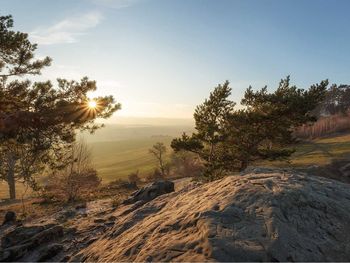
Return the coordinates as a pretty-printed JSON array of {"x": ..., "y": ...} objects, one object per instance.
[{"x": 11, "y": 177}]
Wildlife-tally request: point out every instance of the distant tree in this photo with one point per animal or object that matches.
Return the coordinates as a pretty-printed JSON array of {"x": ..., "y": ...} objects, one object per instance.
[
  {"x": 37, "y": 120},
  {"x": 229, "y": 140},
  {"x": 158, "y": 150},
  {"x": 77, "y": 178}
]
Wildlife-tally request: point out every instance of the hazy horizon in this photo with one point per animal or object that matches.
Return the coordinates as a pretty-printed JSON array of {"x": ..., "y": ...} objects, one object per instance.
[
  {"x": 162, "y": 58},
  {"x": 146, "y": 121},
  {"x": 139, "y": 128}
]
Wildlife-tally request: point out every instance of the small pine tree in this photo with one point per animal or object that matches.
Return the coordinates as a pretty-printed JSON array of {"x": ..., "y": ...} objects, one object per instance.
[{"x": 229, "y": 140}]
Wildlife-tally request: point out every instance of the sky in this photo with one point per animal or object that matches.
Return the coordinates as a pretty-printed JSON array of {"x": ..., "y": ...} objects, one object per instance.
[{"x": 161, "y": 58}]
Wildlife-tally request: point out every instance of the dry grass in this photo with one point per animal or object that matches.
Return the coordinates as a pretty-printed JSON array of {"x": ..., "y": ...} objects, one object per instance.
[
  {"x": 21, "y": 190},
  {"x": 30, "y": 208}
]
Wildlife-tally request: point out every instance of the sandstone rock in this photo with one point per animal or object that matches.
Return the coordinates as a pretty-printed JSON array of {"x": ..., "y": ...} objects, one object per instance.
[
  {"x": 256, "y": 217},
  {"x": 151, "y": 191},
  {"x": 80, "y": 206},
  {"x": 47, "y": 235},
  {"x": 22, "y": 240},
  {"x": 13, "y": 253},
  {"x": 99, "y": 220},
  {"x": 20, "y": 235},
  {"x": 345, "y": 170},
  {"x": 264, "y": 170},
  {"x": 10, "y": 217},
  {"x": 49, "y": 251}
]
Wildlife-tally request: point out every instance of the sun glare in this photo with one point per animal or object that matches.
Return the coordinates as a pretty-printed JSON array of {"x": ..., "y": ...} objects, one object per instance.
[{"x": 92, "y": 104}]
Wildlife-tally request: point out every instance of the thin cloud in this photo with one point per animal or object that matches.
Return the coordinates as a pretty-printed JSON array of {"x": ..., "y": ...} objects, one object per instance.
[
  {"x": 117, "y": 4},
  {"x": 66, "y": 31}
]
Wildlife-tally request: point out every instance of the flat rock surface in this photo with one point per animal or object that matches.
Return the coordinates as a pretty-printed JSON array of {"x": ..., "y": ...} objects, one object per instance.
[
  {"x": 270, "y": 215},
  {"x": 257, "y": 217}
]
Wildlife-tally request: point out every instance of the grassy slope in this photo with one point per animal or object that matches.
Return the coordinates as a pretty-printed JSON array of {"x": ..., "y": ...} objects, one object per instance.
[
  {"x": 118, "y": 159},
  {"x": 319, "y": 151}
]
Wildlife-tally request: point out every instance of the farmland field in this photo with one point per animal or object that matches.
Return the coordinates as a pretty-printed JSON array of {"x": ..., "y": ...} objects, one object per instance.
[{"x": 117, "y": 159}]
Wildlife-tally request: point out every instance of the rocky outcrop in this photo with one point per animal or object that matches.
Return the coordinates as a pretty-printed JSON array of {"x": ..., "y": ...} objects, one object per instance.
[
  {"x": 345, "y": 169},
  {"x": 150, "y": 192},
  {"x": 26, "y": 240},
  {"x": 265, "y": 215},
  {"x": 10, "y": 218},
  {"x": 257, "y": 217}
]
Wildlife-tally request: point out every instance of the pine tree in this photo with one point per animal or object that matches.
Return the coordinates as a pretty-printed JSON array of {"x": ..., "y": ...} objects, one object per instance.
[
  {"x": 38, "y": 121},
  {"x": 229, "y": 140}
]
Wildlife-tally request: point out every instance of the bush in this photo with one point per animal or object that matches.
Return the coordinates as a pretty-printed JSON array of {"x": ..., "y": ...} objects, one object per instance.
[
  {"x": 134, "y": 178},
  {"x": 69, "y": 187},
  {"x": 155, "y": 176},
  {"x": 78, "y": 179}
]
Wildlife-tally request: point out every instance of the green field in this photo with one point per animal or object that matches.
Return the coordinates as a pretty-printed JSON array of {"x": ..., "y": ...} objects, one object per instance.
[
  {"x": 117, "y": 159},
  {"x": 318, "y": 152}
]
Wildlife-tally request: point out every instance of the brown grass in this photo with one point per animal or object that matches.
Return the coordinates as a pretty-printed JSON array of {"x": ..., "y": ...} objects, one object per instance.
[{"x": 30, "y": 208}]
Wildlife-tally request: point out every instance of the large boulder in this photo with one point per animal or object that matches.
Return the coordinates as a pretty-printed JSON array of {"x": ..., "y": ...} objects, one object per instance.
[
  {"x": 256, "y": 217},
  {"x": 150, "y": 192},
  {"x": 10, "y": 218}
]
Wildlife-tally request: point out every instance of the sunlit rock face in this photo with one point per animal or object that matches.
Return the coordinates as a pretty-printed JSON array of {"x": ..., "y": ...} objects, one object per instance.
[{"x": 272, "y": 216}]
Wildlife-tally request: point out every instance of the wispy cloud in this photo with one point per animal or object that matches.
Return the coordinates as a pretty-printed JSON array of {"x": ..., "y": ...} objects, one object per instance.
[
  {"x": 115, "y": 3},
  {"x": 66, "y": 31}
]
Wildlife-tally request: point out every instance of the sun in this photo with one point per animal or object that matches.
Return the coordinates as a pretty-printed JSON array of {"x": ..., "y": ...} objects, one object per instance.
[{"x": 92, "y": 104}]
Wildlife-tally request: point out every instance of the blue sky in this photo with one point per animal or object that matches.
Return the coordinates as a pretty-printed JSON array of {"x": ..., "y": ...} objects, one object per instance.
[{"x": 160, "y": 58}]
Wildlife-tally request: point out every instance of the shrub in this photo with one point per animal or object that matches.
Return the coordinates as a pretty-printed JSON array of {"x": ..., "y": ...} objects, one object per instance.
[
  {"x": 134, "y": 178},
  {"x": 155, "y": 176},
  {"x": 71, "y": 186},
  {"x": 78, "y": 179}
]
